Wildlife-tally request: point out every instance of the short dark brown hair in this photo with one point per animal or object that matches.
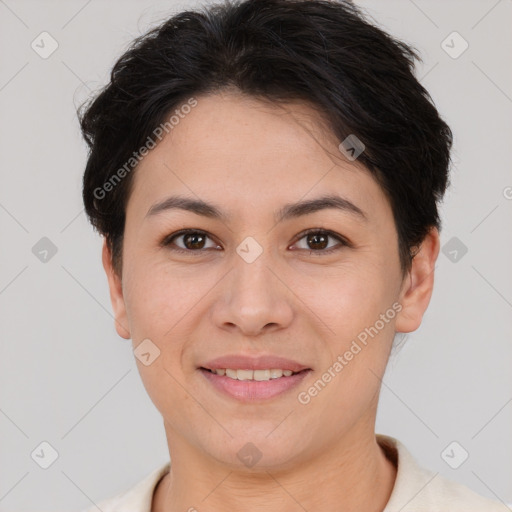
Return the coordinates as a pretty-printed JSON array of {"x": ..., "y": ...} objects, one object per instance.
[{"x": 323, "y": 52}]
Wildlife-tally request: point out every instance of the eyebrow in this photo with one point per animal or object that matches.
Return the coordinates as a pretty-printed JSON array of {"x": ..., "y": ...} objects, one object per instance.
[{"x": 289, "y": 211}]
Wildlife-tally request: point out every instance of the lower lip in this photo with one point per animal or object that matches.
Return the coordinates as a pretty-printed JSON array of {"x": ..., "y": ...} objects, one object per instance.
[{"x": 253, "y": 390}]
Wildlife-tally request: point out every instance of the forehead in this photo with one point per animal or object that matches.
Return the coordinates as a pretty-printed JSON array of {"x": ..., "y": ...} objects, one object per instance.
[{"x": 245, "y": 152}]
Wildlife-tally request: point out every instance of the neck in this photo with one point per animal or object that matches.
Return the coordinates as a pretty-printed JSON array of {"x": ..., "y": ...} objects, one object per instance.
[{"x": 352, "y": 476}]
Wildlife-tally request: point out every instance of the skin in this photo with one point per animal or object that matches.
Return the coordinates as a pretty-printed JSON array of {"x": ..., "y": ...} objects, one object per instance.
[{"x": 250, "y": 158}]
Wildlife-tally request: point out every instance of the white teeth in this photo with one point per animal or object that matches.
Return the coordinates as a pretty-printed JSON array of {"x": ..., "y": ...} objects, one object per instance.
[
  {"x": 231, "y": 373},
  {"x": 258, "y": 375},
  {"x": 244, "y": 374},
  {"x": 262, "y": 375}
]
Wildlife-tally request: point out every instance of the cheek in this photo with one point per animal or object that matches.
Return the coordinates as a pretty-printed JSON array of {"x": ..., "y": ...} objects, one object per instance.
[
  {"x": 158, "y": 304},
  {"x": 348, "y": 301},
  {"x": 356, "y": 346},
  {"x": 358, "y": 338},
  {"x": 164, "y": 305},
  {"x": 158, "y": 298}
]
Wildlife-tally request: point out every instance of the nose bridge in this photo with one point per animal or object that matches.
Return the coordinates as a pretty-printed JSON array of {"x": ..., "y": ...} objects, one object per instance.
[
  {"x": 253, "y": 271},
  {"x": 256, "y": 259},
  {"x": 254, "y": 297}
]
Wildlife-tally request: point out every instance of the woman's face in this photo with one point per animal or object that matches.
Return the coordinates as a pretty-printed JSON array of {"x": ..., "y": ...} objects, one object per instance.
[{"x": 252, "y": 283}]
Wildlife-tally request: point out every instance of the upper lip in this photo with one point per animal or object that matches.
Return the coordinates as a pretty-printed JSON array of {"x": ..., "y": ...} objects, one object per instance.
[{"x": 240, "y": 362}]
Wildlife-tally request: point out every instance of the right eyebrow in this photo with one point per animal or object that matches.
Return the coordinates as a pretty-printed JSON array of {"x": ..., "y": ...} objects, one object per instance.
[{"x": 196, "y": 206}]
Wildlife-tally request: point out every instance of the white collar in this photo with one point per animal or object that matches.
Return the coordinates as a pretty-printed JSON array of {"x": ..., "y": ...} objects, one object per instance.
[{"x": 415, "y": 490}]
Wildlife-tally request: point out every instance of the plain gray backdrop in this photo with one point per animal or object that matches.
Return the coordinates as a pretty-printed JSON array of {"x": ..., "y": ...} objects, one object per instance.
[{"x": 67, "y": 378}]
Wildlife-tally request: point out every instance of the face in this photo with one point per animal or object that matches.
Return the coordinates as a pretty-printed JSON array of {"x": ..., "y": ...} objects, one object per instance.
[{"x": 305, "y": 284}]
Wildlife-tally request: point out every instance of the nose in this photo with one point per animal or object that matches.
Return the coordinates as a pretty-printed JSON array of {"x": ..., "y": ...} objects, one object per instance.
[{"x": 253, "y": 298}]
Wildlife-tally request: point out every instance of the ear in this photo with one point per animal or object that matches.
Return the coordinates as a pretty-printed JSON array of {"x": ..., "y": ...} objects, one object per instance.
[
  {"x": 418, "y": 284},
  {"x": 116, "y": 294}
]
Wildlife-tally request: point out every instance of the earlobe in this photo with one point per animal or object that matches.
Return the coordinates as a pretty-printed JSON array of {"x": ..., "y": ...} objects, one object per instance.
[
  {"x": 116, "y": 294},
  {"x": 418, "y": 284}
]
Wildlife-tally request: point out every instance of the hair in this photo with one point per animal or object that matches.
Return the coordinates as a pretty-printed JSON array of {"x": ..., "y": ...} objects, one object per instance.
[{"x": 321, "y": 52}]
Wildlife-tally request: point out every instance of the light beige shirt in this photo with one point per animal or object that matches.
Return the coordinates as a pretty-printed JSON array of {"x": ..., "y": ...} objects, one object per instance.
[{"x": 416, "y": 489}]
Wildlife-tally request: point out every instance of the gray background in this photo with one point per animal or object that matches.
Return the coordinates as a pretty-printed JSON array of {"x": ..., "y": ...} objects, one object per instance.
[{"x": 68, "y": 379}]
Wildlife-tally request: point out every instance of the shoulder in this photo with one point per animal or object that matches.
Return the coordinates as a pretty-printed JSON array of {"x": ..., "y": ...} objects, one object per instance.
[
  {"x": 417, "y": 489},
  {"x": 136, "y": 499}
]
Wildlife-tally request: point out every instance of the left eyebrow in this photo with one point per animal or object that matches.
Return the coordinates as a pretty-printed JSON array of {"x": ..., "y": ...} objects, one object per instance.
[
  {"x": 301, "y": 208},
  {"x": 291, "y": 210}
]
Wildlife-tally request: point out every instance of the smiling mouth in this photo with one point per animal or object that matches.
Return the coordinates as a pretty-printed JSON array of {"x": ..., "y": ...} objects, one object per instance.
[{"x": 253, "y": 375}]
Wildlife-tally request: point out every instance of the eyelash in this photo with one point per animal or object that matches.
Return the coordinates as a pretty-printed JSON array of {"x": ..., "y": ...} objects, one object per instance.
[{"x": 168, "y": 240}]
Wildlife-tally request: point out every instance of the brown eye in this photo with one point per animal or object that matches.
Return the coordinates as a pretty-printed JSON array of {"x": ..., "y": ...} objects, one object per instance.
[
  {"x": 191, "y": 241},
  {"x": 317, "y": 240},
  {"x": 194, "y": 240}
]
